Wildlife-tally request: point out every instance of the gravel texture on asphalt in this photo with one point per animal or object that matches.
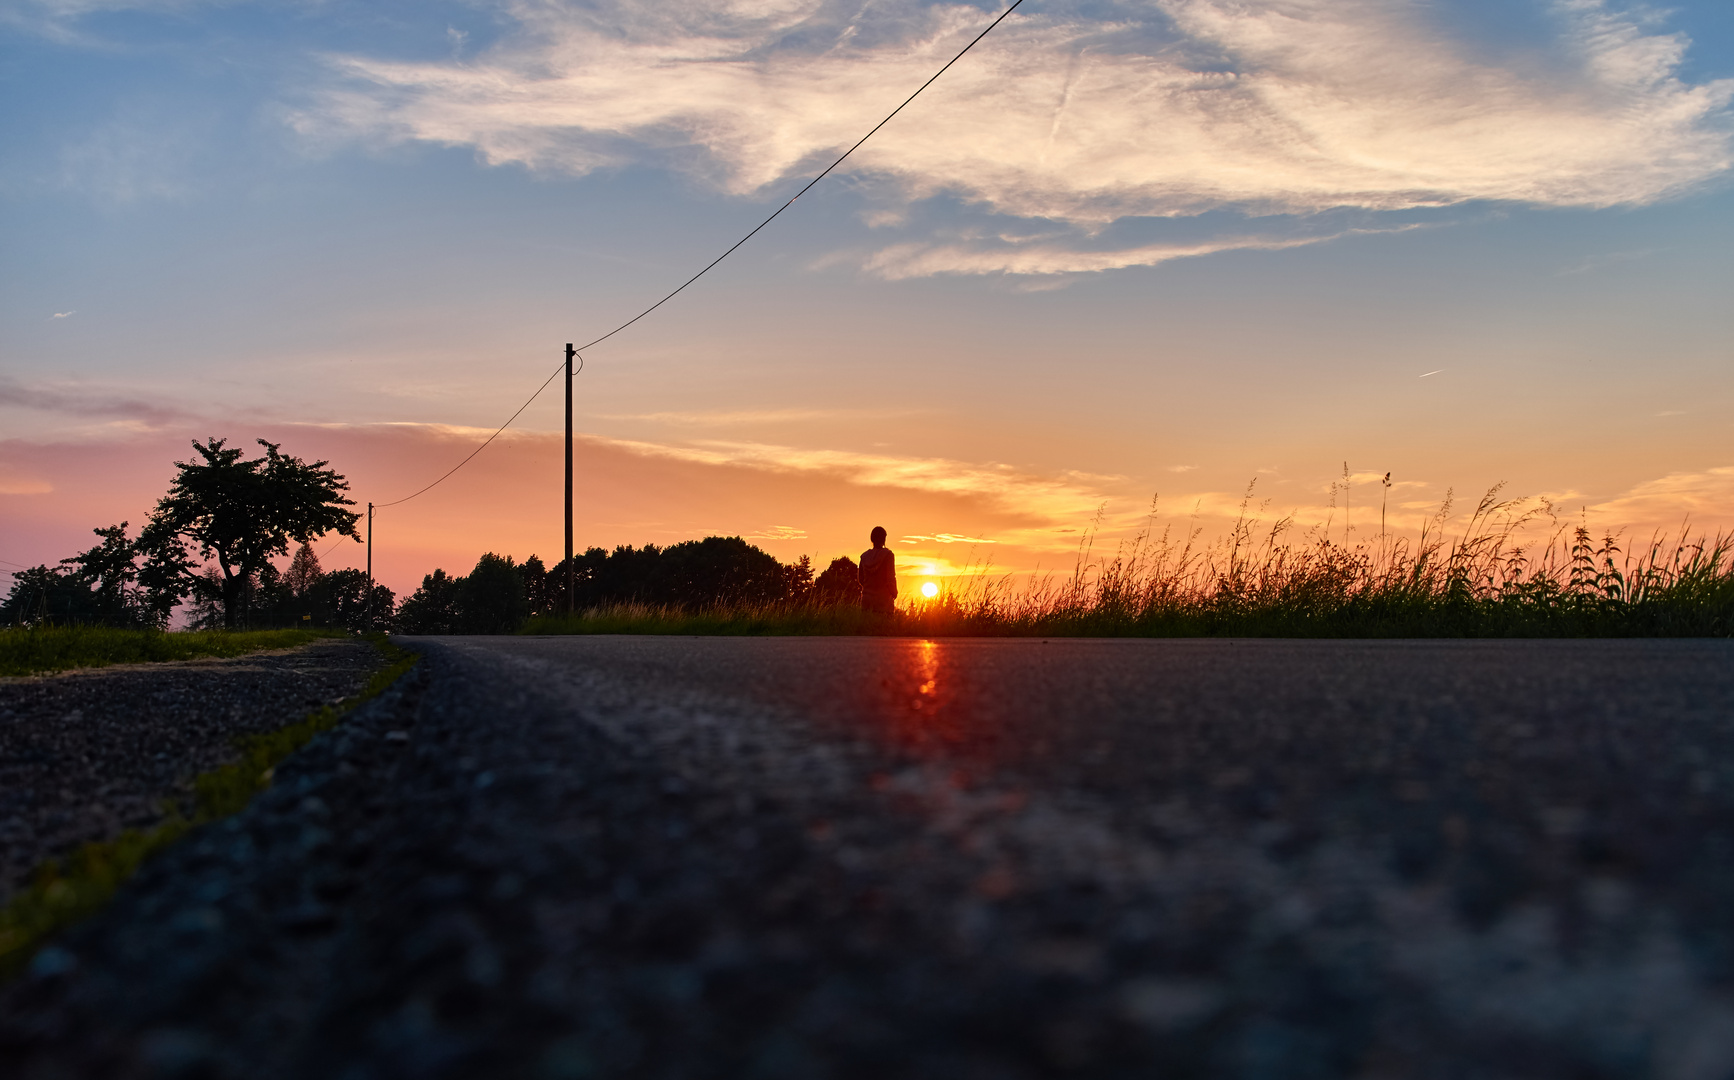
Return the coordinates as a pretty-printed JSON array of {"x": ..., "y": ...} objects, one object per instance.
[
  {"x": 86, "y": 754},
  {"x": 848, "y": 858}
]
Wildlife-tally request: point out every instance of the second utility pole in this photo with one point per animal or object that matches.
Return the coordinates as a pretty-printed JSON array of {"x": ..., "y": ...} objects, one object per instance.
[{"x": 571, "y": 576}]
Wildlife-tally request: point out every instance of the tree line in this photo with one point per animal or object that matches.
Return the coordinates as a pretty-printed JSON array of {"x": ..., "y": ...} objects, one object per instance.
[
  {"x": 499, "y": 594},
  {"x": 211, "y": 540}
]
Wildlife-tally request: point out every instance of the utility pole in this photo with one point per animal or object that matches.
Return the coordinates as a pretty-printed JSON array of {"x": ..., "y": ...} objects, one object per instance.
[
  {"x": 367, "y": 619},
  {"x": 571, "y": 574}
]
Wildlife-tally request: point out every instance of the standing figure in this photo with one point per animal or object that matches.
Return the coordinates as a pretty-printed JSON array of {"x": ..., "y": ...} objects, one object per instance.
[{"x": 878, "y": 575}]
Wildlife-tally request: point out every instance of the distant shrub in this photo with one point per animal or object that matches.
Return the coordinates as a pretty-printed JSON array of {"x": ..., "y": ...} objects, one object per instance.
[
  {"x": 491, "y": 599},
  {"x": 433, "y": 608},
  {"x": 840, "y": 583}
]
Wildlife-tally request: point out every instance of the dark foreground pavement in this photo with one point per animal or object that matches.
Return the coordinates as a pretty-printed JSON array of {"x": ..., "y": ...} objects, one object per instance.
[
  {"x": 811, "y": 858},
  {"x": 85, "y": 754}
]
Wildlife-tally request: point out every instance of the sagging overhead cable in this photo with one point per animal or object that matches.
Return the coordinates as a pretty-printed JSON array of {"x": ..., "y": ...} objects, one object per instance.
[{"x": 708, "y": 266}]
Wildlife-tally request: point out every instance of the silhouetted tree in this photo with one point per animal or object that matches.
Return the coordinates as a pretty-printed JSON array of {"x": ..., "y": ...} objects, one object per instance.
[
  {"x": 798, "y": 579},
  {"x": 105, "y": 584},
  {"x": 108, "y": 569},
  {"x": 269, "y": 601},
  {"x": 241, "y": 512},
  {"x": 205, "y": 600},
  {"x": 626, "y": 573},
  {"x": 344, "y": 593},
  {"x": 718, "y": 570},
  {"x": 840, "y": 583},
  {"x": 536, "y": 586},
  {"x": 48, "y": 594},
  {"x": 433, "y": 608},
  {"x": 166, "y": 573},
  {"x": 490, "y": 599},
  {"x": 303, "y": 574}
]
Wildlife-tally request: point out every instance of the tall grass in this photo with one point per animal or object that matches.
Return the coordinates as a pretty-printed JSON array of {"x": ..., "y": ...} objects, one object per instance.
[
  {"x": 30, "y": 650},
  {"x": 1514, "y": 570}
]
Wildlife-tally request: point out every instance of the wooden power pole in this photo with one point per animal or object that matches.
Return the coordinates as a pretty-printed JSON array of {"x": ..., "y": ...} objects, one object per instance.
[
  {"x": 571, "y": 573},
  {"x": 367, "y": 607}
]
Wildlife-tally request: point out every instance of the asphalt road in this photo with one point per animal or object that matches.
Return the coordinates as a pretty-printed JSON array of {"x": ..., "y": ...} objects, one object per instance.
[{"x": 696, "y": 857}]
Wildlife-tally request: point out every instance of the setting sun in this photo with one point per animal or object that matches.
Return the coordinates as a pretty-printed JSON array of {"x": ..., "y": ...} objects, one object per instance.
[{"x": 930, "y": 590}]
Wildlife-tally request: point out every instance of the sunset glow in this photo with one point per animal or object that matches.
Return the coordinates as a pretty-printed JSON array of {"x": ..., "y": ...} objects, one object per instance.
[{"x": 1116, "y": 253}]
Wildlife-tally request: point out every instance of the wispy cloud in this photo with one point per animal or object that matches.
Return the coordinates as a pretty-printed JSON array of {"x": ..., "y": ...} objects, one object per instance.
[
  {"x": 1058, "y": 496},
  {"x": 777, "y": 532},
  {"x": 1077, "y": 116},
  {"x": 63, "y": 314},
  {"x": 14, "y": 481},
  {"x": 1005, "y": 257},
  {"x": 73, "y": 401},
  {"x": 732, "y": 417},
  {"x": 1597, "y": 262},
  {"x": 948, "y": 538},
  {"x": 1702, "y": 496},
  {"x": 143, "y": 153},
  {"x": 60, "y": 20}
]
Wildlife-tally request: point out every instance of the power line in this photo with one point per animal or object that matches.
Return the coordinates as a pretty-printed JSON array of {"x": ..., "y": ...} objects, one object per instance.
[
  {"x": 845, "y": 155},
  {"x": 490, "y": 438}
]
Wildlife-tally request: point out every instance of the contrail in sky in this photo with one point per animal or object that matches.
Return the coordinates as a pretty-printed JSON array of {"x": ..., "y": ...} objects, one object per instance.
[{"x": 1434, "y": 372}]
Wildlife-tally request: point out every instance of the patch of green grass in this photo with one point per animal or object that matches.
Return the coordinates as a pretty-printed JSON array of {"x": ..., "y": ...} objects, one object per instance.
[
  {"x": 737, "y": 621},
  {"x": 63, "y": 892},
  {"x": 37, "y": 649}
]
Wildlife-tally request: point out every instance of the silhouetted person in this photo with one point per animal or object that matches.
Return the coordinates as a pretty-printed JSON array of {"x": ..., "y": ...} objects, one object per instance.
[{"x": 878, "y": 575}]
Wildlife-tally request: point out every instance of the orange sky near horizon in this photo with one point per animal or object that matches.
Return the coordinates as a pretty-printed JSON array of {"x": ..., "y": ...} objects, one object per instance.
[{"x": 945, "y": 518}]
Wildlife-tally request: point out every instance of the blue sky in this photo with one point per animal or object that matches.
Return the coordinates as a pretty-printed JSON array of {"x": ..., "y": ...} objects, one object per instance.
[{"x": 1121, "y": 249}]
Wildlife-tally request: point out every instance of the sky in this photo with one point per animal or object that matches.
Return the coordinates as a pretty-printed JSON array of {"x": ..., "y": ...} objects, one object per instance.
[{"x": 1120, "y": 252}]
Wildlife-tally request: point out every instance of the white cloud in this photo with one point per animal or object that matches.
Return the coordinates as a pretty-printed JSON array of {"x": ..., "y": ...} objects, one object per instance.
[
  {"x": 777, "y": 532},
  {"x": 978, "y": 257},
  {"x": 948, "y": 538},
  {"x": 1160, "y": 108}
]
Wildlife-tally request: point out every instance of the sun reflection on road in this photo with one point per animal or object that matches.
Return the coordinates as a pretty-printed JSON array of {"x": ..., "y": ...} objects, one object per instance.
[{"x": 922, "y": 712}]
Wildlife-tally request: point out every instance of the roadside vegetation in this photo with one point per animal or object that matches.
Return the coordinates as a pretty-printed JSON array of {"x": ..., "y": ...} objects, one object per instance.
[
  {"x": 1513, "y": 571},
  {"x": 34, "y": 650}
]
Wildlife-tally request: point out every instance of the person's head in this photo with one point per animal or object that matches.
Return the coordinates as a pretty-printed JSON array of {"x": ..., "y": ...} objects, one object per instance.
[{"x": 877, "y": 536}]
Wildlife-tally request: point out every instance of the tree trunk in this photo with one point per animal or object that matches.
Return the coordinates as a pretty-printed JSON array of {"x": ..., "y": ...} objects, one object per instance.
[{"x": 234, "y": 598}]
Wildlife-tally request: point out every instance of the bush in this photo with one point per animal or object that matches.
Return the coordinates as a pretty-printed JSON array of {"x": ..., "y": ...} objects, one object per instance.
[
  {"x": 491, "y": 599},
  {"x": 840, "y": 583},
  {"x": 433, "y": 608}
]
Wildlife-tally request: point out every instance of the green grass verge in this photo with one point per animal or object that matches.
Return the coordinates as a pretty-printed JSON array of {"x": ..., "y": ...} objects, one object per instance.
[
  {"x": 1372, "y": 616},
  {"x": 63, "y": 892},
  {"x": 34, "y": 650},
  {"x": 744, "y": 621}
]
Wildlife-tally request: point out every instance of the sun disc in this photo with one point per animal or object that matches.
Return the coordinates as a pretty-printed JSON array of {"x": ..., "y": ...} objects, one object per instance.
[{"x": 930, "y": 590}]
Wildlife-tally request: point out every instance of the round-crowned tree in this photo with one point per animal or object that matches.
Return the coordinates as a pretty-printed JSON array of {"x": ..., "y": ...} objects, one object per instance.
[
  {"x": 490, "y": 599},
  {"x": 242, "y": 511}
]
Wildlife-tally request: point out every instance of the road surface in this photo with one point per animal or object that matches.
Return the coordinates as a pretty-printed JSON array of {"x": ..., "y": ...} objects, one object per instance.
[{"x": 892, "y": 858}]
